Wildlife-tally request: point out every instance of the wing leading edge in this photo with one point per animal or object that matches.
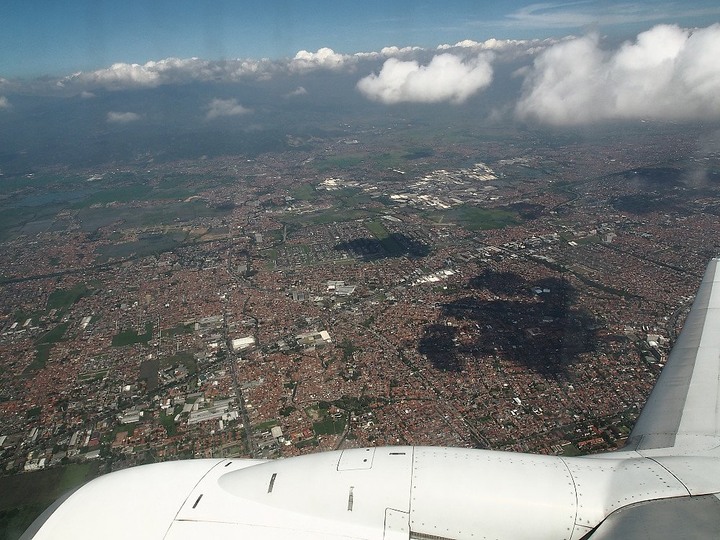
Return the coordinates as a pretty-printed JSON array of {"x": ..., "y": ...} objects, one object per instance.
[{"x": 682, "y": 414}]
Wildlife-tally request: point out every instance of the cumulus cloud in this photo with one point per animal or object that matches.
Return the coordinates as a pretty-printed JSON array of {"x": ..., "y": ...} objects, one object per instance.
[
  {"x": 398, "y": 51},
  {"x": 225, "y": 107},
  {"x": 471, "y": 44},
  {"x": 324, "y": 58},
  {"x": 506, "y": 49},
  {"x": 122, "y": 76},
  {"x": 122, "y": 117},
  {"x": 667, "y": 73},
  {"x": 167, "y": 71},
  {"x": 299, "y": 91},
  {"x": 4, "y": 103},
  {"x": 446, "y": 78}
]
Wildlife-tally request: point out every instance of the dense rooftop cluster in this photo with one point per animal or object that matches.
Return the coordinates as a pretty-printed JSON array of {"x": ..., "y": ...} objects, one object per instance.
[{"x": 524, "y": 300}]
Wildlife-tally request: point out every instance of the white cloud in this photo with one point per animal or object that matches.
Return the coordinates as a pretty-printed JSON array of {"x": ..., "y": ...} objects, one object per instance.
[
  {"x": 470, "y": 44},
  {"x": 506, "y": 49},
  {"x": 583, "y": 13},
  {"x": 299, "y": 91},
  {"x": 167, "y": 71},
  {"x": 122, "y": 117},
  {"x": 86, "y": 95},
  {"x": 324, "y": 58},
  {"x": 666, "y": 73},
  {"x": 446, "y": 78},
  {"x": 4, "y": 103},
  {"x": 225, "y": 107},
  {"x": 119, "y": 76},
  {"x": 398, "y": 51}
]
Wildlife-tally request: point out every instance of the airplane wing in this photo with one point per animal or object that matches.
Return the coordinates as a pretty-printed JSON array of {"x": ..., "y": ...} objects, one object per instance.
[
  {"x": 683, "y": 517},
  {"x": 683, "y": 410}
]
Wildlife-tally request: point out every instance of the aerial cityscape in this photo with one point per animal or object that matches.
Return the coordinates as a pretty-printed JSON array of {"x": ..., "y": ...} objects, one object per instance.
[{"x": 314, "y": 258}]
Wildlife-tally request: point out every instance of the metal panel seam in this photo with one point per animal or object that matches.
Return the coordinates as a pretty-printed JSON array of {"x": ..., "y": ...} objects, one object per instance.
[
  {"x": 576, "y": 495},
  {"x": 672, "y": 474},
  {"x": 188, "y": 496},
  {"x": 410, "y": 487}
]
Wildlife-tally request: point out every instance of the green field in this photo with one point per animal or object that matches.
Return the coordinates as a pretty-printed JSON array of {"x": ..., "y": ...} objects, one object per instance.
[
  {"x": 131, "y": 337},
  {"x": 478, "y": 219},
  {"x": 159, "y": 214},
  {"x": 265, "y": 426},
  {"x": 42, "y": 355},
  {"x": 178, "y": 330},
  {"x": 329, "y": 426},
  {"x": 63, "y": 299},
  {"x": 183, "y": 358},
  {"x": 24, "y": 497},
  {"x": 306, "y": 192},
  {"x": 122, "y": 194},
  {"x": 377, "y": 229},
  {"x": 168, "y": 422},
  {"x": 348, "y": 205},
  {"x": 54, "y": 335},
  {"x": 323, "y": 217},
  {"x": 419, "y": 153},
  {"x": 125, "y": 188},
  {"x": 146, "y": 245},
  {"x": 30, "y": 206},
  {"x": 43, "y": 345},
  {"x": 378, "y": 161},
  {"x": 93, "y": 376},
  {"x": 339, "y": 162},
  {"x": 570, "y": 450}
]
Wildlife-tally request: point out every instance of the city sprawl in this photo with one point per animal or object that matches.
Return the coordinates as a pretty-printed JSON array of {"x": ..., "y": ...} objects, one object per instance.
[{"x": 348, "y": 291}]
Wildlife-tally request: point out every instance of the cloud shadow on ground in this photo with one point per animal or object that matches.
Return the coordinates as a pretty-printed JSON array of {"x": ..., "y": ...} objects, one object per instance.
[{"x": 535, "y": 324}]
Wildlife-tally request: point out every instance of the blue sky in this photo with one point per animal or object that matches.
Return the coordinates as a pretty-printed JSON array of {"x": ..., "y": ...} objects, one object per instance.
[{"x": 56, "y": 38}]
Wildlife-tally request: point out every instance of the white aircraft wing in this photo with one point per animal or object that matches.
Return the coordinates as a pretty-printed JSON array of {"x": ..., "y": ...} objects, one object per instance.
[
  {"x": 683, "y": 410},
  {"x": 683, "y": 517}
]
